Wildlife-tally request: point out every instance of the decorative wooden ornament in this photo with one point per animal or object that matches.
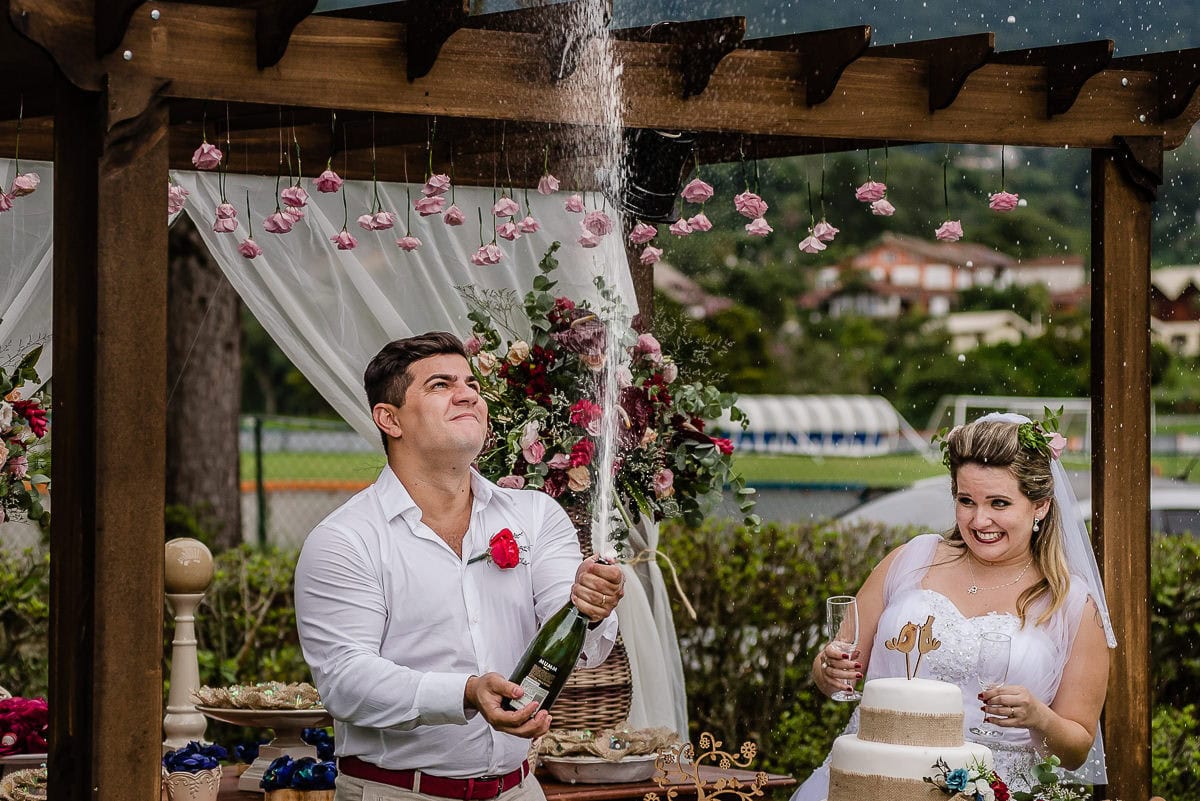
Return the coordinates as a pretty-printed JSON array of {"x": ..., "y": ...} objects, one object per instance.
[
  {"x": 913, "y": 636},
  {"x": 680, "y": 764}
]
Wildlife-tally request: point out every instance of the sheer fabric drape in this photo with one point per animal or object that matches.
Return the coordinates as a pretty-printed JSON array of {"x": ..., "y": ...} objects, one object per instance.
[{"x": 26, "y": 242}]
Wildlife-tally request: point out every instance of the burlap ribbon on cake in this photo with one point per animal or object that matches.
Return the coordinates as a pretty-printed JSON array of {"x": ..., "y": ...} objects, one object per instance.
[
  {"x": 910, "y": 728},
  {"x": 857, "y": 787}
]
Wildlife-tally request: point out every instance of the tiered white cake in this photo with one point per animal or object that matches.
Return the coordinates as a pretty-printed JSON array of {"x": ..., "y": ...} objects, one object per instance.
[{"x": 905, "y": 726}]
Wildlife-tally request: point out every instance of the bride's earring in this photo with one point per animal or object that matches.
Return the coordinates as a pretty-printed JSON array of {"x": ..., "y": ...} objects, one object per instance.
[{"x": 1036, "y": 525}]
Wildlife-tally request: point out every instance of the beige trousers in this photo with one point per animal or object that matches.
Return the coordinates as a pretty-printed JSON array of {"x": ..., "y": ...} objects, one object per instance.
[{"x": 350, "y": 788}]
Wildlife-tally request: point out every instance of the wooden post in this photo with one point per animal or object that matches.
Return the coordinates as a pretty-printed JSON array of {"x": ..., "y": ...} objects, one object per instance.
[
  {"x": 1121, "y": 215},
  {"x": 106, "y": 585}
]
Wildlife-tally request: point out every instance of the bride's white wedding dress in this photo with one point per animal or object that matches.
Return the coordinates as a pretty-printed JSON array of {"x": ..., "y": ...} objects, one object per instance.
[{"x": 1037, "y": 659}]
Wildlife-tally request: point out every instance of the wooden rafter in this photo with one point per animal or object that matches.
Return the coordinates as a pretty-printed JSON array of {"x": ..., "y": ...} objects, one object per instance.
[
  {"x": 1176, "y": 77},
  {"x": 950, "y": 62},
  {"x": 1068, "y": 68},
  {"x": 699, "y": 46},
  {"x": 824, "y": 56}
]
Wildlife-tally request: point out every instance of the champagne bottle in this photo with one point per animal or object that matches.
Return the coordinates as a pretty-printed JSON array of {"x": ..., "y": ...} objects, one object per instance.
[{"x": 547, "y": 662}]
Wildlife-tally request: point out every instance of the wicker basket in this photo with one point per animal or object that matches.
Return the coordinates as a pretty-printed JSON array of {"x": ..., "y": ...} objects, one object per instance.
[{"x": 599, "y": 697}]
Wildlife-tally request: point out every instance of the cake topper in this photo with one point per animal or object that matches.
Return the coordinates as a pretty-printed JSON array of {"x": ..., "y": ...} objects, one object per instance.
[{"x": 914, "y": 636}]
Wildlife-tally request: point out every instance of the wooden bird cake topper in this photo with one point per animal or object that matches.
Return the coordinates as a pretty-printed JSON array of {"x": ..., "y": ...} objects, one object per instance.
[{"x": 913, "y": 636}]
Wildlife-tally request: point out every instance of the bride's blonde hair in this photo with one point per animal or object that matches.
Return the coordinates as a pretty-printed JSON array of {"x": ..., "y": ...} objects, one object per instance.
[{"x": 995, "y": 443}]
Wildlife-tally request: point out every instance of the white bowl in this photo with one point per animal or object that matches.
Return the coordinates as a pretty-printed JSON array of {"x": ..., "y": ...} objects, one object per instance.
[{"x": 594, "y": 770}]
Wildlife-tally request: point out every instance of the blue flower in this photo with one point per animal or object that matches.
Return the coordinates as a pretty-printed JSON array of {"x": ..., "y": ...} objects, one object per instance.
[
  {"x": 957, "y": 779},
  {"x": 278, "y": 775},
  {"x": 193, "y": 758},
  {"x": 320, "y": 739},
  {"x": 247, "y": 752}
]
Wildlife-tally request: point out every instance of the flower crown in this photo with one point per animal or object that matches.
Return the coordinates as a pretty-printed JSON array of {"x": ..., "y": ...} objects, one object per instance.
[{"x": 1041, "y": 436}]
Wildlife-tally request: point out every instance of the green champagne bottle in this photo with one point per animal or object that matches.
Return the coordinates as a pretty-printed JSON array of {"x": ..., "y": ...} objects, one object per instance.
[{"x": 547, "y": 662}]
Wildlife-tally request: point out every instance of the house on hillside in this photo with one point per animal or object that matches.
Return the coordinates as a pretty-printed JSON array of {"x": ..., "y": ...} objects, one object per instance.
[
  {"x": 1175, "y": 308},
  {"x": 687, "y": 293},
  {"x": 969, "y": 330}
]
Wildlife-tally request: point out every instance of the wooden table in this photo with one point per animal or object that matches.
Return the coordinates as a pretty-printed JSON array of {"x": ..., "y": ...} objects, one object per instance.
[{"x": 555, "y": 791}]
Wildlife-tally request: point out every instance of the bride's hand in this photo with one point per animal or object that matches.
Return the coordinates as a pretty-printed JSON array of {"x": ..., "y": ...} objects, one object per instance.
[
  {"x": 1012, "y": 706},
  {"x": 835, "y": 669}
]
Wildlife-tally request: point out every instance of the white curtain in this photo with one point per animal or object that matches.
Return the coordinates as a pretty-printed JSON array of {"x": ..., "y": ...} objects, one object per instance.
[{"x": 26, "y": 239}]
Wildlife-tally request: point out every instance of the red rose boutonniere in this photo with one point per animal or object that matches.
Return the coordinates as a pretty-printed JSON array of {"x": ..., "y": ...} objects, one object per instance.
[{"x": 503, "y": 550}]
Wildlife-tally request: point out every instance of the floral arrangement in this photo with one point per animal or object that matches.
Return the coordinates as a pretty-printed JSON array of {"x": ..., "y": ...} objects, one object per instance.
[
  {"x": 305, "y": 773},
  {"x": 194, "y": 758},
  {"x": 23, "y": 427},
  {"x": 976, "y": 782},
  {"x": 1049, "y": 785},
  {"x": 544, "y": 401},
  {"x": 24, "y": 726},
  {"x": 1037, "y": 435}
]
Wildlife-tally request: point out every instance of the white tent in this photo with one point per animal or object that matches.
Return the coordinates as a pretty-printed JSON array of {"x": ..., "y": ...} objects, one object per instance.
[{"x": 822, "y": 425}]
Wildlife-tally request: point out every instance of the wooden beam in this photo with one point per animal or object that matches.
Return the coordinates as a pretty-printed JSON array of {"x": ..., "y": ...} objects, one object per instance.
[
  {"x": 951, "y": 61},
  {"x": 699, "y": 46},
  {"x": 1176, "y": 76},
  {"x": 1068, "y": 68},
  {"x": 106, "y": 534},
  {"x": 1121, "y": 217},
  {"x": 427, "y": 26},
  {"x": 824, "y": 56}
]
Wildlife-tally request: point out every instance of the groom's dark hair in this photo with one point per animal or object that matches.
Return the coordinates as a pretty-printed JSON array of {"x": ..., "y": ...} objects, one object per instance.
[{"x": 387, "y": 378}]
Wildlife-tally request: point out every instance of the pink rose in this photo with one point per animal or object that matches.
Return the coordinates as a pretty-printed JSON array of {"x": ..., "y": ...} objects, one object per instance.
[
  {"x": 588, "y": 240},
  {"x": 534, "y": 452},
  {"x": 382, "y": 220},
  {"x": 25, "y": 184},
  {"x": 624, "y": 376},
  {"x": 344, "y": 240},
  {"x": 670, "y": 372},
  {"x": 649, "y": 347},
  {"x": 488, "y": 254},
  {"x": 870, "y": 192},
  {"x": 697, "y": 191},
  {"x": 680, "y": 227},
  {"x": 207, "y": 157},
  {"x": 1057, "y": 443},
  {"x": 249, "y": 248},
  {"x": 559, "y": 461},
  {"x": 294, "y": 213},
  {"x": 811, "y": 245},
  {"x": 528, "y": 226},
  {"x": 278, "y": 223},
  {"x": 426, "y": 206},
  {"x": 547, "y": 184},
  {"x": 579, "y": 479},
  {"x": 642, "y": 233},
  {"x": 438, "y": 184},
  {"x": 328, "y": 181},
  {"x": 508, "y": 231},
  {"x": 651, "y": 255},
  {"x": 408, "y": 243},
  {"x": 176, "y": 198},
  {"x": 664, "y": 483},
  {"x": 18, "y": 466},
  {"x": 758, "y": 227},
  {"x": 512, "y": 482},
  {"x": 574, "y": 204},
  {"x": 724, "y": 445},
  {"x": 598, "y": 223},
  {"x": 531, "y": 432},
  {"x": 367, "y": 222},
  {"x": 700, "y": 222},
  {"x": 750, "y": 205},
  {"x": 949, "y": 231},
  {"x": 224, "y": 225},
  {"x": 485, "y": 363},
  {"x": 881, "y": 208},
  {"x": 505, "y": 207},
  {"x": 824, "y": 231},
  {"x": 294, "y": 196},
  {"x": 1003, "y": 201},
  {"x": 6, "y": 202},
  {"x": 226, "y": 211},
  {"x": 453, "y": 216},
  {"x": 473, "y": 345}
]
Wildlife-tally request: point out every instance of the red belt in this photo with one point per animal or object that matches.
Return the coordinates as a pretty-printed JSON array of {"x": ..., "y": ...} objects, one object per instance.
[{"x": 482, "y": 787}]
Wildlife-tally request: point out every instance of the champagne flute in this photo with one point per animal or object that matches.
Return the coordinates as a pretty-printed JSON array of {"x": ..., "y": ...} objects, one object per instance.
[
  {"x": 842, "y": 620},
  {"x": 991, "y": 669}
]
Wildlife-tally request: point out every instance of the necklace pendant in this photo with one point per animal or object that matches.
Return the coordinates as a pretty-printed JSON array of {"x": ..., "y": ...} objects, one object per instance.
[{"x": 972, "y": 589}]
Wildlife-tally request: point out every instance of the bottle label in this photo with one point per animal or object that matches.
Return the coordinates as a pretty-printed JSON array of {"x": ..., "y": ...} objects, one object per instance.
[{"x": 537, "y": 684}]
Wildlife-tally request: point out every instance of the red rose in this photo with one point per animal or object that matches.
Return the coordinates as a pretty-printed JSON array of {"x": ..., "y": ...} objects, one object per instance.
[
  {"x": 582, "y": 453},
  {"x": 504, "y": 549},
  {"x": 34, "y": 414},
  {"x": 725, "y": 446},
  {"x": 1000, "y": 789}
]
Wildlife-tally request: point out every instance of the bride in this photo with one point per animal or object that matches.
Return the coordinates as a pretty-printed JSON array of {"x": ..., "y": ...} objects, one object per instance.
[{"x": 1018, "y": 561}]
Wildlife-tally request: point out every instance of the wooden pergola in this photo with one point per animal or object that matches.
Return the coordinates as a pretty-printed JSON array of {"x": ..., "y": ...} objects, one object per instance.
[{"x": 115, "y": 91}]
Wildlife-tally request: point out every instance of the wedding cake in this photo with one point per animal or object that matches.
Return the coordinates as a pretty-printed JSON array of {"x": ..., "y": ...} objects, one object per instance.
[{"x": 905, "y": 727}]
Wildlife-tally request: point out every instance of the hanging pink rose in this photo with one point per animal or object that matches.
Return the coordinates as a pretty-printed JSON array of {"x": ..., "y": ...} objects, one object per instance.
[
  {"x": 750, "y": 205},
  {"x": 25, "y": 184},
  {"x": 426, "y": 206},
  {"x": 598, "y": 223},
  {"x": 176, "y": 198},
  {"x": 328, "y": 181},
  {"x": 1057, "y": 443},
  {"x": 454, "y": 216},
  {"x": 680, "y": 227},
  {"x": 511, "y": 482},
  {"x": 529, "y": 226},
  {"x": 508, "y": 231},
  {"x": 224, "y": 225},
  {"x": 697, "y": 191},
  {"x": 574, "y": 204},
  {"x": 650, "y": 255},
  {"x": 505, "y": 207},
  {"x": 408, "y": 243},
  {"x": 207, "y": 157},
  {"x": 438, "y": 184},
  {"x": 547, "y": 184},
  {"x": 344, "y": 240},
  {"x": 1003, "y": 201},
  {"x": 367, "y": 222},
  {"x": 824, "y": 231},
  {"x": 870, "y": 192},
  {"x": 488, "y": 254},
  {"x": 664, "y": 483},
  {"x": 249, "y": 248},
  {"x": 700, "y": 222},
  {"x": 226, "y": 211},
  {"x": 811, "y": 244},
  {"x": 882, "y": 208},
  {"x": 949, "y": 231},
  {"x": 382, "y": 221},
  {"x": 294, "y": 196},
  {"x": 758, "y": 227},
  {"x": 588, "y": 240},
  {"x": 6, "y": 202},
  {"x": 294, "y": 212},
  {"x": 278, "y": 223},
  {"x": 642, "y": 233}
]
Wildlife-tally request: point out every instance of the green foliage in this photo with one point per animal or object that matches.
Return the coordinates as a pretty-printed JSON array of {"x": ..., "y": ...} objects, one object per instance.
[
  {"x": 1175, "y": 752},
  {"x": 1030, "y": 302},
  {"x": 1175, "y": 619},
  {"x": 24, "y": 621}
]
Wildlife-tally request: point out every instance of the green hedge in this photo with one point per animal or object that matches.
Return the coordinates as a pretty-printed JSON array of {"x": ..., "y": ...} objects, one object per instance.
[{"x": 759, "y": 598}]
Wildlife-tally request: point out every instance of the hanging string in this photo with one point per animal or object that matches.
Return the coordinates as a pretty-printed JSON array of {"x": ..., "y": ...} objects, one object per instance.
[
  {"x": 823, "y": 181},
  {"x": 885, "y": 161},
  {"x": 332, "y": 139},
  {"x": 376, "y": 204},
  {"x": 17, "y": 145},
  {"x": 1001, "y": 168},
  {"x": 946, "y": 181},
  {"x": 808, "y": 188},
  {"x": 279, "y": 167},
  {"x": 249, "y": 217},
  {"x": 868, "y": 165}
]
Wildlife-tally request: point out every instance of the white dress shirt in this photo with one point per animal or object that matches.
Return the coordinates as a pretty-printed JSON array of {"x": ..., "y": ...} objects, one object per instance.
[{"x": 392, "y": 622}]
